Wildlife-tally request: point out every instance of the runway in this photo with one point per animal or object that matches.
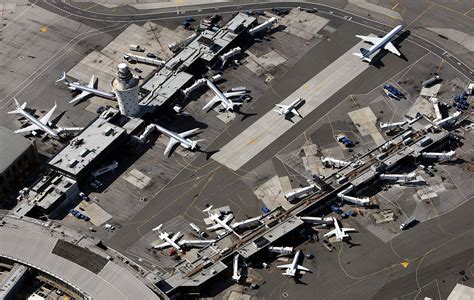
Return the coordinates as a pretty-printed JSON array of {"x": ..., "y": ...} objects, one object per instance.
[
  {"x": 208, "y": 181},
  {"x": 272, "y": 125}
]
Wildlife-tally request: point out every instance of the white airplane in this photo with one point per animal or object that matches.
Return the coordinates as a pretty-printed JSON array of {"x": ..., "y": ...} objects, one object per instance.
[
  {"x": 223, "y": 98},
  {"x": 292, "y": 268},
  {"x": 289, "y": 109},
  {"x": 378, "y": 43},
  {"x": 180, "y": 138},
  {"x": 224, "y": 223},
  {"x": 219, "y": 223},
  {"x": 340, "y": 233},
  {"x": 86, "y": 90},
  {"x": 173, "y": 241},
  {"x": 42, "y": 124},
  {"x": 246, "y": 223}
]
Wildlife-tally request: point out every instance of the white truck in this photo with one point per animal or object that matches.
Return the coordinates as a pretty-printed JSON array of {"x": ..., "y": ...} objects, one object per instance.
[{"x": 137, "y": 48}]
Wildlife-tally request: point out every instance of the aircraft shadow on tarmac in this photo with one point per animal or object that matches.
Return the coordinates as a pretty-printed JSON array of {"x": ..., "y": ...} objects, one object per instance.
[
  {"x": 351, "y": 244},
  {"x": 209, "y": 154},
  {"x": 244, "y": 115},
  {"x": 297, "y": 279},
  {"x": 276, "y": 29}
]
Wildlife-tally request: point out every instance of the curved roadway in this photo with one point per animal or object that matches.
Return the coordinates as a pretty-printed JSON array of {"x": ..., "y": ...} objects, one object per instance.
[{"x": 202, "y": 10}]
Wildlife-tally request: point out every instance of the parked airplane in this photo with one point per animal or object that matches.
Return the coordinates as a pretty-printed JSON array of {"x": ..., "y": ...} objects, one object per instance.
[
  {"x": 180, "y": 138},
  {"x": 173, "y": 241},
  {"x": 42, "y": 124},
  {"x": 340, "y": 233},
  {"x": 224, "y": 223},
  {"x": 289, "y": 110},
  {"x": 378, "y": 43},
  {"x": 85, "y": 90},
  {"x": 223, "y": 98},
  {"x": 219, "y": 223},
  {"x": 292, "y": 268}
]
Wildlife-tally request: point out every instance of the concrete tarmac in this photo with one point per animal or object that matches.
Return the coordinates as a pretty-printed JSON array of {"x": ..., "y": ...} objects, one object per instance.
[
  {"x": 272, "y": 125},
  {"x": 208, "y": 182}
]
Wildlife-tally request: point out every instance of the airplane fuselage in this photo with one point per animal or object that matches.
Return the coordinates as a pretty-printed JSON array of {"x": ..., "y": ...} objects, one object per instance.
[
  {"x": 290, "y": 107},
  {"x": 36, "y": 122},
  {"x": 183, "y": 141},
  {"x": 224, "y": 225},
  {"x": 246, "y": 222},
  {"x": 380, "y": 44},
  {"x": 228, "y": 104},
  {"x": 76, "y": 86},
  {"x": 340, "y": 234},
  {"x": 166, "y": 238},
  {"x": 294, "y": 264}
]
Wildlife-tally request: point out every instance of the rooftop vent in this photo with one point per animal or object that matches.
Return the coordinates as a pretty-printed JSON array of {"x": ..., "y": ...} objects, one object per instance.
[
  {"x": 109, "y": 131},
  {"x": 85, "y": 152},
  {"x": 73, "y": 163}
]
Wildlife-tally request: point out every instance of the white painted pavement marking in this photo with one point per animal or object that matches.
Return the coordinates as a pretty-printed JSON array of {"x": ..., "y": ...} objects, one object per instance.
[{"x": 270, "y": 126}]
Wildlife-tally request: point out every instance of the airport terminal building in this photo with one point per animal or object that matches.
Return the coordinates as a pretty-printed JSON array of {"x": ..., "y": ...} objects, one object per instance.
[{"x": 18, "y": 158}]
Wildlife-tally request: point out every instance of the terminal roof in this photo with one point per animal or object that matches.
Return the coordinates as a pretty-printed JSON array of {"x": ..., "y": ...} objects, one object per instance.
[{"x": 12, "y": 145}]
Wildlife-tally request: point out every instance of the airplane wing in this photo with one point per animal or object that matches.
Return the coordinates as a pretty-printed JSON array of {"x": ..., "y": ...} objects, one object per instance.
[
  {"x": 227, "y": 218},
  {"x": 47, "y": 116},
  {"x": 369, "y": 39},
  {"x": 92, "y": 82},
  {"x": 162, "y": 245},
  {"x": 284, "y": 266},
  {"x": 188, "y": 133},
  {"x": 295, "y": 112},
  {"x": 79, "y": 97},
  {"x": 330, "y": 233},
  {"x": 175, "y": 236},
  {"x": 280, "y": 106},
  {"x": 211, "y": 103},
  {"x": 28, "y": 129},
  {"x": 170, "y": 145},
  {"x": 349, "y": 229},
  {"x": 301, "y": 268},
  {"x": 214, "y": 227},
  {"x": 390, "y": 47}
]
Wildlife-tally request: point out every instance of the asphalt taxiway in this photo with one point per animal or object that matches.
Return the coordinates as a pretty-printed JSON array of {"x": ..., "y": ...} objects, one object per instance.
[
  {"x": 133, "y": 16},
  {"x": 205, "y": 179}
]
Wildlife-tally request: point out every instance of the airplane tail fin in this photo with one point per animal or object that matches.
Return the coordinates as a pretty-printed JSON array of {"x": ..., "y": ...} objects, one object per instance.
[
  {"x": 194, "y": 143},
  {"x": 232, "y": 105},
  {"x": 157, "y": 228},
  {"x": 364, "y": 51},
  {"x": 207, "y": 209},
  {"x": 63, "y": 78},
  {"x": 19, "y": 107},
  {"x": 362, "y": 54}
]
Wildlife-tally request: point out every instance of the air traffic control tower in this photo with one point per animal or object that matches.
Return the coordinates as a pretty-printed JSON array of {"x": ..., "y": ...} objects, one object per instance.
[{"x": 125, "y": 86}]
